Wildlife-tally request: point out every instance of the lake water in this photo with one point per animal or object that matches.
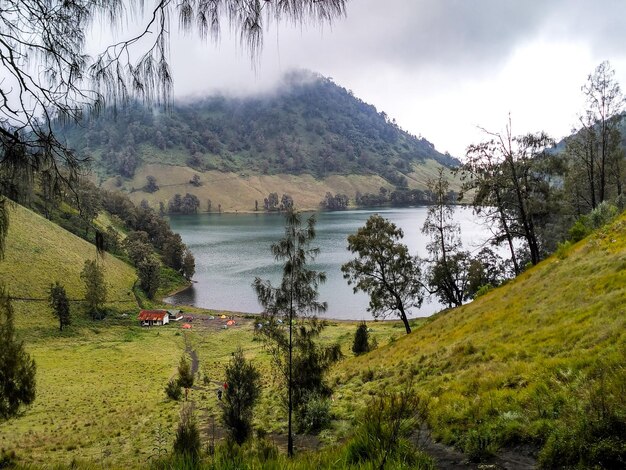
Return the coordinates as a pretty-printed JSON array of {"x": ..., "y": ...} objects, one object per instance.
[{"x": 232, "y": 249}]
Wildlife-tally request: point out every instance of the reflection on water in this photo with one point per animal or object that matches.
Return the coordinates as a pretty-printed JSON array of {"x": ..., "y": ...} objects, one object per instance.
[{"x": 232, "y": 249}]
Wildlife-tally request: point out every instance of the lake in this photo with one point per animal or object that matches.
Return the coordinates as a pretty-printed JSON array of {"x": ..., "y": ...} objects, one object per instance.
[{"x": 232, "y": 249}]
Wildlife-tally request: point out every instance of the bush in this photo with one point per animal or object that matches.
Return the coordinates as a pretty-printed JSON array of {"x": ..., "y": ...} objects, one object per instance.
[
  {"x": 602, "y": 214},
  {"x": 240, "y": 396},
  {"x": 562, "y": 249},
  {"x": 479, "y": 444},
  {"x": 173, "y": 390},
  {"x": 185, "y": 376},
  {"x": 482, "y": 290},
  {"x": 382, "y": 435},
  {"x": 598, "y": 217},
  {"x": 589, "y": 433},
  {"x": 360, "y": 344},
  {"x": 313, "y": 415},
  {"x": 187, "y": 441}
]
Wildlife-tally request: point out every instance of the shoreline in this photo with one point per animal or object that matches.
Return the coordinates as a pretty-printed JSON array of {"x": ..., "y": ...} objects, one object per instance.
[{"x": 214, "y": 311}]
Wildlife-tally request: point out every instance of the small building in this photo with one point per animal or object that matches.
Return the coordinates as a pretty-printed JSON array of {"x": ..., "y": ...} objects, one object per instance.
[
  {"x": 153, "y": 317},
  {"x": 175, "y": 315}
]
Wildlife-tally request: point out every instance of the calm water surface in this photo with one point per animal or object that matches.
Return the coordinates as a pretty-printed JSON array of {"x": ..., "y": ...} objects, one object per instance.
[{"x": 232, "y": 249}]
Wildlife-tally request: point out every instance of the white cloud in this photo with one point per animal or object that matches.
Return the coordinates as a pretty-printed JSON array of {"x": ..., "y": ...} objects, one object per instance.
[{"x": 440, "y": 67}]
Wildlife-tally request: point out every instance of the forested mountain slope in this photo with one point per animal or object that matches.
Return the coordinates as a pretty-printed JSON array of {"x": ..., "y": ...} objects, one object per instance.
[{"x": 309, "y": 127}]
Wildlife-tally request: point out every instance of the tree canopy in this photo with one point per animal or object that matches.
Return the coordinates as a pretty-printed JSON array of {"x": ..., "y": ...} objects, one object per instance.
[{"x": 384, "y": 269}]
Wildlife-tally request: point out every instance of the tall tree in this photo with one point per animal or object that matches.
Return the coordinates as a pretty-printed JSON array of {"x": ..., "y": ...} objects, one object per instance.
[
  {"x": 149, "y": 270},
  {"x": 59, "y": 304},
  {"x": 4, "y": 224},
  {"x": 296, "y": 296},
  {"x": 605, "y": 103},
  {"x": 507, "y": 170},
  {"x": 384, "y": 269},
  {"x": 17, "y": 368},
  {"x": 594, "y": 151},
  {"x": 189, "y": 265},
  {"x": 447, "y": 273},
  {"x": 95, "y": 288}
]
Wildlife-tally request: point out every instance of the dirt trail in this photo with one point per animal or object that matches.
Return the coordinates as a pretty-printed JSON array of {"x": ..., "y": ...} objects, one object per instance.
[
  {"x": 449, "y": 458},
  {"x": 195, "y": 361}
]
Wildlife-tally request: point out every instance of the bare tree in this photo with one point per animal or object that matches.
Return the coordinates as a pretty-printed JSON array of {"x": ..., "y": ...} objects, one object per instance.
[
  {"x": 597, "y": 143},
  {"x": 504, "y": 169}
]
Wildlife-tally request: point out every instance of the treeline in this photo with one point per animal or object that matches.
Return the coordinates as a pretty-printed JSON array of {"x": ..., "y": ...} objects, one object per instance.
[
  {"x": 384, "y": 197},
  {"x": 187, "y": 204},
  {"x": 272, "y": 204}
]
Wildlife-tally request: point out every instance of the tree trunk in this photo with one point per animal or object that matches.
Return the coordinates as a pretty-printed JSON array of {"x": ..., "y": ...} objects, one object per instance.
[
  {"x": 404, "y": 319},
  {"x": 290, "y": 386},
  {"x": 507, "y": 232}
]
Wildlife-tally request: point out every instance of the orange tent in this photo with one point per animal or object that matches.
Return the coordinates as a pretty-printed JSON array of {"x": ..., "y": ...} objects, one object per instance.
[
  {"x": 230, "y": 322},
  {"x": 186, "y": 326}
]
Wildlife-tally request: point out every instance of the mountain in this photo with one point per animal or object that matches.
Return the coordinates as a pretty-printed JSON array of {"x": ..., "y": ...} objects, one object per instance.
[{"x": 309, "y": 128}]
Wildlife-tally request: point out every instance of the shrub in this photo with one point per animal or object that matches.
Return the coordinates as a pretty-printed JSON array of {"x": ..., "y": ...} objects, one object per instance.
[
  {"x": 602, "y": 214},
  {"x": 187, "y": 441},
  {"x": 240, "y": 396},
  {"x": 479, "y": 444},
  {"x": 367, "y": 375},
  {"x": 382, "y": 436},
  {"x": 185, "y": 376},
  {"x": 360, "y": 344},
  {"x": 313, "y": 415},
  {"x": 173, "y": 390},
  {"x": 590, "y": 433},
  {"x": 482, "y": 290},
  {"x": 562, "y": 249}
]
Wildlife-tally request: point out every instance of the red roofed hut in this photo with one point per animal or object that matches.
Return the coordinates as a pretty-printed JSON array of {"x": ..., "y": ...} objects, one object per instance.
[{"x": 153, "y": 317}]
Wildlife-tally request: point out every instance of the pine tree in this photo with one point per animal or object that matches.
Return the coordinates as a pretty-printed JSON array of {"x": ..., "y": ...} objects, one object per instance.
[
  {"x": 243, "y": 390},
  {"x": 295, "y": 297},
  {"x": 95, "y": 289},
  {"x": 360, "y": 344},
  {"x": 187, "y": 441},
  {"x": 17, "y": 368},
  {"x": 59, "y": 304}
]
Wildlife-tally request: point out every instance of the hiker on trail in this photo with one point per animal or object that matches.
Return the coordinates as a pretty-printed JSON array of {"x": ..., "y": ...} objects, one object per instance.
[
  {"x": 219, "y": 395},
  {"x": 225, "y": 386}
]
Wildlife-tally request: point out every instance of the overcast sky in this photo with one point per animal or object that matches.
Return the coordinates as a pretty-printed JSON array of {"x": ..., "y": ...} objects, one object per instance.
[{"x": 439, "y": 67}]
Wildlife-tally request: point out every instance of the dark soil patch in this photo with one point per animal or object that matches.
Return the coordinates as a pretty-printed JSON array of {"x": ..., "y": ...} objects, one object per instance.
[{"x": 449, "y": 458}]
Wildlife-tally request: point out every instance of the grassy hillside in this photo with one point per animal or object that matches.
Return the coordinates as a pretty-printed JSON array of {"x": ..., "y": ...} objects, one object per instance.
[
  {"x": 38, "y": 253},
  {"x": 236, "y": 192},
  {"x": 539, "y": 361}
]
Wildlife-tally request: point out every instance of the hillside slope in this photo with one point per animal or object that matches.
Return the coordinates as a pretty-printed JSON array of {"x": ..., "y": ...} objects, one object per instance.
[
  {"x": 234, "y": 192},
  {"x": 38, "y": 253},
  {"x": 539, "y": 361}
]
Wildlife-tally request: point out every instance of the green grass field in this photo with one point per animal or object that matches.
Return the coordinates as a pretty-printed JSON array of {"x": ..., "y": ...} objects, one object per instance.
[{"x": 537, "y": 362}]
